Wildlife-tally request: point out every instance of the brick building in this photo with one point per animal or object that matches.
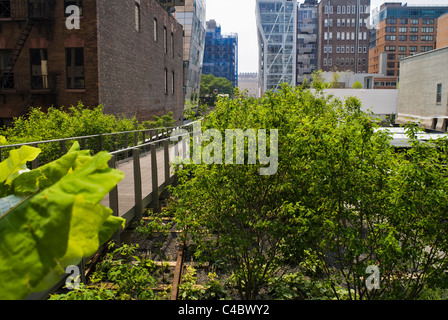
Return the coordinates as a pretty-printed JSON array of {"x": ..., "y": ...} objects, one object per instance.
[
  {"x": 126, "y": 55},
  {"x": 400, "y": 31},
  {"x": 442, "y": 31},
  {"x": 344, "y": 35}
]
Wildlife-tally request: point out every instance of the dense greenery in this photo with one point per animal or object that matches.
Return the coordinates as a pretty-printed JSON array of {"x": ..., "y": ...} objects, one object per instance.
[
  {"x": 212, "y": 86},
  {"x": 342, "y": 199},
  {"x": 76, "y": 121},
  {"x": 51, "y": 217}
]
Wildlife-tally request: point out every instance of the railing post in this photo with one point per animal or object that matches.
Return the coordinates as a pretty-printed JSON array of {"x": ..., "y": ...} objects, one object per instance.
[
  {"x": 154, "y": 178},
  {"x": 166, "y": 160},
  {"x": 63, "y": 148},
  {"x": 135, "y": 138},
  {"x": 137, "y": 185},
  {"x": 35, "y": 163},
  {"x": 113, "y": 200}
]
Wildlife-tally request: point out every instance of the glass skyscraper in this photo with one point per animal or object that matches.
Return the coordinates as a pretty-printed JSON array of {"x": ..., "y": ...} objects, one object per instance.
[
  {"x": 276, "y": 25},
  {"x": 221, "y": 53},
  {"x": 191, "y": 15}
]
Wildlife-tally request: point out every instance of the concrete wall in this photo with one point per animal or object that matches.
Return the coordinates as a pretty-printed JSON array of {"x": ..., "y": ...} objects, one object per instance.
[
  {"x": 378, "y": 101},
  {"x": 419, "y": 77}
]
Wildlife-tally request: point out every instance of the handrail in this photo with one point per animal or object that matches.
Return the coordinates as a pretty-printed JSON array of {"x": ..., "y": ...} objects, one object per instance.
[{"x": 153, "y": 138}]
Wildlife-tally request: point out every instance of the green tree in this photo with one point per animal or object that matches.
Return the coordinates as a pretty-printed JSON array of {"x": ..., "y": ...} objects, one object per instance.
[
  {"x": 357, "y": 85},
  {"x": 341, "y": 200},
  {"x": 212, "y": 86}
]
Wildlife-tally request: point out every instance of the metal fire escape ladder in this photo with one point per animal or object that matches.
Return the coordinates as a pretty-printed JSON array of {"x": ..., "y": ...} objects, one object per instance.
[{"x": 18, "y": 47}]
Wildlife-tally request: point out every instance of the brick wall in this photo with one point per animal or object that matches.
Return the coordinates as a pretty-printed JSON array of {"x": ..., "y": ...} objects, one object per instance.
[{"x": 132, "y": 63}]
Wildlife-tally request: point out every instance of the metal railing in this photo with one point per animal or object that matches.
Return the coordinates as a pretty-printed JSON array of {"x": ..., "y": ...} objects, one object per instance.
[
  {"x": 12, "y": 83},
  {"x": 145, "y": 142}
]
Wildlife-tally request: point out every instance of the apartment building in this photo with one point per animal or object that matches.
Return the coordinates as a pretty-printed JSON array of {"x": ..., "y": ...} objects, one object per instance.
[
  {"x": 221, "y": 53},
  {"x": 276, "y": 29},
  {"x": 126, "y": 55},
  {"x": 344, "y": 35},
  {"x": 307, "y": 39},
  {"x": 400, "y": 31}
]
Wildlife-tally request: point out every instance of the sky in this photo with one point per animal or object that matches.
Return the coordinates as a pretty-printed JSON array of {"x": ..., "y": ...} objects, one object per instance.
[{"x": 238, "y": 16}]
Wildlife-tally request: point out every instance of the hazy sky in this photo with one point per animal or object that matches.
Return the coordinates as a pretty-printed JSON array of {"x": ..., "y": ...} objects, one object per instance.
[{"x": 238, "y": 16}]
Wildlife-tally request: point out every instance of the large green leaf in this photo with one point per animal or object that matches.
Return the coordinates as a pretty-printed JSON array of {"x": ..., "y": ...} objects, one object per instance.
[
  {"x": 10, "y": 168},
  {"x": 59, "y": 225}
]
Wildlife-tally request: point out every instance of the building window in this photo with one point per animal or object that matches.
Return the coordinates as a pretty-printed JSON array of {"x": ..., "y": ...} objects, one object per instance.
[
  {"x": 39, "y": 69},
  {"x": 137, "y": 17},
  {"x": 425, "y": 48},
  {"x": 402, "y": 48},
  {"x": 75, "y": 68},
  {"x": 427, "y": 38},
  {"x": 7, "y": 81},
  {"x": 414, "y": 21},
  {"x": 155, "y": 29},
  {"x": 343, "y": 9},
  {"x": 165, "y": 40},
  {"x": 428, "y": 21},
  {"x": 413, "y": 38},
  {"x": 338, "y": 10},
  {"x": 402, "y": 38},
  {"x": 412, "y": 48},
  {"x": 403, "y": 29},
  {"x": 391, "y": 29},
  {"x": 172, "y": 44},
  {"x": 391, "y": 37},
  {"x": 172, "y": 83},
  {"x": 348, "y": 9},
  {"x": 342, "y": 49},
  {"x": 68, "y": 3},
  {"x": 166, "y": 80},
  {"x": 390, "y": 48},
  {"x": 404, "y": 21},
  {"x": 413, "y": 29},
  {"x": 427, "y": 29},
  {"x": 391, "y": 21},
  {"x": 5, "y": 9},
  {"x": 439, "y": 93}
]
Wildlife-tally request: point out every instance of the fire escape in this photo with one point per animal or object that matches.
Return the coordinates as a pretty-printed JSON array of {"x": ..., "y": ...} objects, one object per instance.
[{"x": 28, "y": 14}]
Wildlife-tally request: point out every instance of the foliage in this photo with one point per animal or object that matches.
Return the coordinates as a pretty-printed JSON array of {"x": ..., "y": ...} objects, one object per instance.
[
  {"x": 357, "y": 85},
  {"x": 51, "y": 217},
  {"x": 166, "y": 121},
  {"x": 153, "y": 223},
  {"x": 295, "y": 286},
  {"x": 76, "y": 121},
  {"x": 85, "y": 292},
  {"x": 210, "y": 83},
  {"x": 190, "y": 290},
  {"x": 132, "y": 276},
  {"x": 342, "y": 199}
]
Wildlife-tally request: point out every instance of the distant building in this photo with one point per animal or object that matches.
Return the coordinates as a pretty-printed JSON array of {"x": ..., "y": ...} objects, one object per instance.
[
  {"x": 191, "y": 15},
  {"x": 399, "y": 31},
  {"x": 221, "y": 53},
  {"x": 276, "y": 28},
  {"x": 126, "y": 55},
  {"x": 344, "y": 35},
  {"x": 442, "y": 31},
  {"x": 249, "y": 82},
  {"x": 423, "y": 94},
  {"x": 307, "y": 40},
  {"x": 346, "y": 79}
]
